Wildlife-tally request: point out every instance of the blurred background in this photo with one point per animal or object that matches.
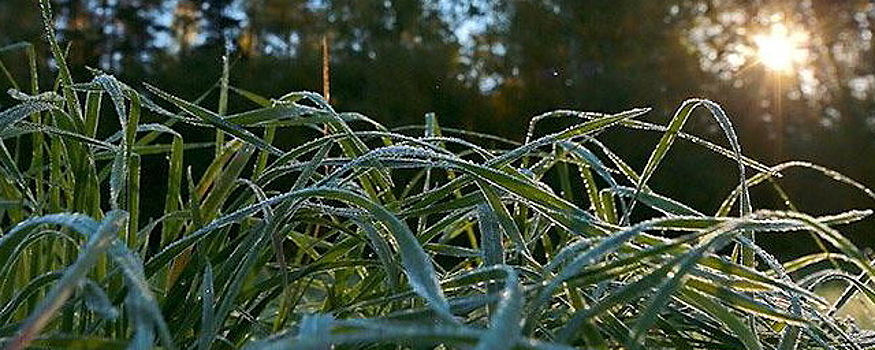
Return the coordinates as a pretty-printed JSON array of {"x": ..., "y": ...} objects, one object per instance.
[{"x": 796, "y": 77}]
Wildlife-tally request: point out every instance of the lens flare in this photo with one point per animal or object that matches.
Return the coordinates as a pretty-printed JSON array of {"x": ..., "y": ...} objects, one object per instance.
[{"x": 780, "y": 50}]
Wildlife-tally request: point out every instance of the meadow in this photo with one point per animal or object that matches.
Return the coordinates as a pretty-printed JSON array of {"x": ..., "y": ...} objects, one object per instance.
[{"x": 365, "y": 237}]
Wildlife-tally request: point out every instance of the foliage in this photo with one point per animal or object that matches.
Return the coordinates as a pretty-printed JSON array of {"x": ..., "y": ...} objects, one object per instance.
[{"x": 365, "y": 237}]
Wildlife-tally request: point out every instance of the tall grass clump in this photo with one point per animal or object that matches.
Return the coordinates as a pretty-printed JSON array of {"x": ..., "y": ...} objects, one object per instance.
[{"x": 367, "y": 237}]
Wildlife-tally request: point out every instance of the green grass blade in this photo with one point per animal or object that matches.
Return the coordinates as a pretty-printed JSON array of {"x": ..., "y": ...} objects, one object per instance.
[
  {"x": 658, "y": 202},
  {"x": 384, "y": 254},
  {"x": 673, "y": 280},
  {"x": 417, "y": 264},
  {"x": 224, "y": 182},
  {"x": 830, "y": 235},
  {"x": 65, "y": 78},
  {"x": 505, "y": 221},
  {"x": 216, "y": 120},
  {"x": 171, "y": 228},
  {"x": 62, "y": 342},
  {"x": 743, "y": 302},
  {"x": 316, "y": 328},
  {"x": 758, "y": 178},
  {"x": 98, "y": 301},
  {"x": 21, "y": 111},
  {"x": 258, "y": 99},
  {"x": 491, "y": 249},
  {"x": 27, "y": 127},
  {"x": 223, "y": 98},
  {"x": 98, "y": 242},
  {"x": 117, "y": 179},
  {"x": 706, "y": 303},
  {"x": 32, "y": 289},
  {"x": 288, "y": 114},
  {"x": 92, "y": 112},
  {"x": 504, "y": 326},
  {"x": 140, "y": 300},
  {"x": 370, "y": 331}
]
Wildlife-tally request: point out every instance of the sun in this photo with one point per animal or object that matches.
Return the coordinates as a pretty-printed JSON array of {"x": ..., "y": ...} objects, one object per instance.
[{"x": 780, "y": 50}]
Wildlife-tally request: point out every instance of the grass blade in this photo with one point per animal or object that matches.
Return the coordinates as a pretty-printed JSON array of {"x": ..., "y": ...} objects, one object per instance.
[
  {"x": 504, "y": 327},
  {"x": 98, "y": 242},
  {"x": 217, "y": 121}
]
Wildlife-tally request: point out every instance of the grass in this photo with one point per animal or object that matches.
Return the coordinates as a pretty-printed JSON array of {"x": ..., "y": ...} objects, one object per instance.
[{"x": 373, "y": 238}]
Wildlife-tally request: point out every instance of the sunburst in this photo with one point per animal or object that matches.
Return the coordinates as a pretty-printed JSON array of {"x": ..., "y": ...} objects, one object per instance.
[{"x": 780, "y": 49}]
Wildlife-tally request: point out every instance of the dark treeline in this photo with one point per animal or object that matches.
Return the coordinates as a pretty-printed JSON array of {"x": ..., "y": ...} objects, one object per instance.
[{"x": 490, "y": 66}]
